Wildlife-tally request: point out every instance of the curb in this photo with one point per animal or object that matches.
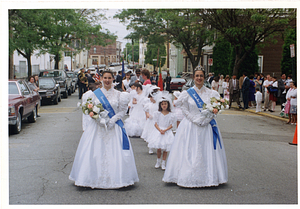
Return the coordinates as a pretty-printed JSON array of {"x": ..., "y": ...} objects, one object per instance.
[{"x": 262, "y": 114}]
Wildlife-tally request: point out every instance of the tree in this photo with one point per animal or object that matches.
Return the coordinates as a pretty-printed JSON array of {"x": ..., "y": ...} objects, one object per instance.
[
  {"x": 221, "y": 57},
  {"x": 245, "y": 28},
  {"x": 135, "y": 52},
  {"x": 23, "y": 33},
  {"x": 288, "y": 63},
  {"x": 184, "y": 26},
  {"x": 152, "y": 53}
]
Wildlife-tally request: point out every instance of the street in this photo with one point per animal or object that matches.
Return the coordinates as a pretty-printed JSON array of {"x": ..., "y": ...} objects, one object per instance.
[{"x": 262, "y": 166}]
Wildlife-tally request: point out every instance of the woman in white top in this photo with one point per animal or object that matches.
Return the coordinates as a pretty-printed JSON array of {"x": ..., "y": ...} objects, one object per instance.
[
  {"x": 225, "y": 87},
  {"x": 215, "y": 83},
  {"x": 220, "y": 90},
  {"x": 126, "y": 82},
  {"x": 292, "y": 97}
]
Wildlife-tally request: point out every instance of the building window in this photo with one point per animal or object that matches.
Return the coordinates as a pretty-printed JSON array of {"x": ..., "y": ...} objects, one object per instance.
[
  {"x": 260, "y": 63},
  {"x": 95, "y": 60},
  {"x": 95, "y": 50}
]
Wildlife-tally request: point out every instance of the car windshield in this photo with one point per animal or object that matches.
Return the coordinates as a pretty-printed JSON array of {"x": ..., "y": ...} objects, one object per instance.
[
  {"x": 70, "y": 75},
  {"x": 46, "y": 83},
  {"x": 176, "y": 80},
  {"x": 51, "y": 74},
  {"x": 12, "y": 88}
]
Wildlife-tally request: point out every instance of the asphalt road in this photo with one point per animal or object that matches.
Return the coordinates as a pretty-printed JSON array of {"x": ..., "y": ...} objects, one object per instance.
[{"x": 262, "y": 166}]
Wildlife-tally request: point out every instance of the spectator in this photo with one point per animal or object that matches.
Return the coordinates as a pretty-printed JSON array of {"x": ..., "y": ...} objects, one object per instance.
[
  {"x": 221, "y": 90},
  {"x": 258, "y": 99},
  {"x": 225, "y": 87},
  {"x": 245, "y": 90},
  {"x": 258, "y": 82},
  {"x": 125, "y": 82},
  {"x": 289, "y": 79},
  {"x": 154, "y": 78},
  {"x": 262, "y": 78},
  {"x": 241, "y": 81},
  {"x": 210, "y": 78},
  {"x": 234, "y": 91},
  {"x": 282, "y": 89},
  {"x": 168, "y": 82},
  {"x": 136, "y": 78},
  {"x": 266, "y": 84},
  {"x": 33, "y": 87},
  {"x": 119, "y": 81},
  {"x": 215, "y": 83},
  {"x": 82, "y": 82},
  {"x": 179, "y": 75},
  {"x": 273, "y": 91},
  {"x": 251, "y": 90},
  {"x": 291, "y": 106},
  {"x": 146, "y": 76},
  {"x": 36, "y": 80}
]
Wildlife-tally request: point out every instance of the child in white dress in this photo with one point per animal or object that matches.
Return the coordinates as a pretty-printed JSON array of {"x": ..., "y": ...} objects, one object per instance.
[
  {"x": 150, "y": 106},
  {"x": 258, "y": 100},
  {"x": 162, "y": 137}
]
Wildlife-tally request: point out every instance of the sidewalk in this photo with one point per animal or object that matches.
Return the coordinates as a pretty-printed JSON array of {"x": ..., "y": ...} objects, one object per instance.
[{"x": 275, "y": 115}]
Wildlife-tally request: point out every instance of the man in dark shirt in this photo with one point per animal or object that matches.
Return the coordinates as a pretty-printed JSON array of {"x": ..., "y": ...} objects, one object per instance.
[{"x": 119, "y": 81}]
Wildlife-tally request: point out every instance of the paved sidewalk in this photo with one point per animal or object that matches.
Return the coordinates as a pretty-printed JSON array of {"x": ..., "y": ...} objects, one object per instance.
[{"x": 275, "y": 114}]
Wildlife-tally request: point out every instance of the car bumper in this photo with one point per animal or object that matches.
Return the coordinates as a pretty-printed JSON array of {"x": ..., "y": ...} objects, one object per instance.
[
  {"x": 12, "y": 120},
  {"x": 49, "y": 97}
]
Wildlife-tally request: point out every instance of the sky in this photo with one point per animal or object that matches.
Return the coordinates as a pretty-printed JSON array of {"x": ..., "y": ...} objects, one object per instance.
[{"x": 114, "y": 26}]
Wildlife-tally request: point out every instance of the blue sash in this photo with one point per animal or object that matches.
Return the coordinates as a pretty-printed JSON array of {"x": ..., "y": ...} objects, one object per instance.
[
  {"x": 199, "y": 102},
  {"x": 105, "y": 103}
]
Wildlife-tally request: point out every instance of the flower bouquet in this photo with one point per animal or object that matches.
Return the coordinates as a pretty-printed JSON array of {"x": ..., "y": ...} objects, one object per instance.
[
  {"x": 216, "y": 105},
  {"x": 95, "y": 111}
]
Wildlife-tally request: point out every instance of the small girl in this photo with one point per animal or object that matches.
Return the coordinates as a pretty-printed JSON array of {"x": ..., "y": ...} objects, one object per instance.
[
  {"x": 258, "y": 99},
  {"x": 162, "y": 137},
  {"x": 150, "y": 107},
  {"x": 178, "y": 112}
]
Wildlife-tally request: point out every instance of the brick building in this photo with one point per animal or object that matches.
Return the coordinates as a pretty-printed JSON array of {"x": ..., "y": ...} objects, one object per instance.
[{"x": 105, "y": 55}]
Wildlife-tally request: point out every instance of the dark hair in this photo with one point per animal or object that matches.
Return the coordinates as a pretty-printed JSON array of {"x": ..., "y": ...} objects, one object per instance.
[
  {"x": 251, "y": 76},
  {"x": 244, "y": 73},
  {"x": 93, "y": 86},
  {"x": 275, "y": 77},
  {"x": 290, "y": 75},
  {"x": 216, "y": 78},
  {"x": 128, "y": 73},
  {"x": 30, "y": 78},
  {"x": 120, "y": 71},
  {"x": 199, "y": 68},
  {"x": 257, "y": 89},
  {"x": 146, "y": 73},
  {"x": 168, "y": 109},
  {"x": 108, "y": 71},
  {"x": 137, "y": 71},
  {"x": 138, "y": 85}
]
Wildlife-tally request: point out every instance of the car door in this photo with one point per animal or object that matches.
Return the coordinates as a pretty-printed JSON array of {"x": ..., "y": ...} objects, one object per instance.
[{"x": 27, "y": 98}]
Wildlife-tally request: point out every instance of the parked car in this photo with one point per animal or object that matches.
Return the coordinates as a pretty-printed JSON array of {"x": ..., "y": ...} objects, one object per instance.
[
  {"x": 74, "y": 80},
  {"x": 61, "y": 77},
  {"x": 49, "y": 90},
  {"x": 22, "y": 104},
  {"x": 177, "y": 83},
  {"x": 190, "y": 83}
]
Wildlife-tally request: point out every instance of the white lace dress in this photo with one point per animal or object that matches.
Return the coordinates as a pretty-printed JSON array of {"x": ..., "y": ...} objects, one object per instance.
[
  {"x": 100, "y": 161},
  {"x": 192, "y": 161},
  {"x": 149, "y": 107},
  {"x": 162, "y": 141},
  {"x": 134, "y": 124}
]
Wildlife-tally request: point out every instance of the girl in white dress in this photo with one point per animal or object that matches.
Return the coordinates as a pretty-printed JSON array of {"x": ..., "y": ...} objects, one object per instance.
[
  {"x": 134, "y": 124},
  {"x": 100, "y": 160},
  {"x": 193, "y": 160},
  {"x": 162, "y": 137},
  {"x": 126, "y": 82},
  {"x": 150, "y": 107},
  {"x": 225, "y": 86}
]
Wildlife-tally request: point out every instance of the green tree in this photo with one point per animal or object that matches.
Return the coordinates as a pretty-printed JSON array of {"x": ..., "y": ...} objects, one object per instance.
[
  {"x": 135, "y": 52},
  {"x": 245, "y": 28},
  {"x": 288, "y": 63},
  {"x": 152, "y": 53},
  {"x": 221, "y": 57},
  {"x": 184, "y": 26}
]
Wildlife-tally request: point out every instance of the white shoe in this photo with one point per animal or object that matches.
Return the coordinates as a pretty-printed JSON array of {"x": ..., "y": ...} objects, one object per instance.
[
  {"x": 158, "y": 162},
  {"x": 163, "y": 165},
  {"x": 150, "y": 151}
]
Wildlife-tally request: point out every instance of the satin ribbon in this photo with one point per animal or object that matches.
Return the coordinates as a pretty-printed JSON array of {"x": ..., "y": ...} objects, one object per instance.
[
  {"x": 199, "y": 102},
  {"x": 106, "y": 105}
]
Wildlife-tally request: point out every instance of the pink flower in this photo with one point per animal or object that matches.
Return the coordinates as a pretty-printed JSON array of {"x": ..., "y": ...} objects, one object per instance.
[
  {"x": 215, "y": 111},
  {"x": 90, "y": 106},
  {"x": 91, "y": 114},
  {"x": 222, "y": 100}
]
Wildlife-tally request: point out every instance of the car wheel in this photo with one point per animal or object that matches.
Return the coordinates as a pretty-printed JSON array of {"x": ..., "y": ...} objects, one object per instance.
[
  {"x": 59, "y": 98},
  {"x": 66, "y": 93},
  {"x": 33, "y": 116},
  {"x": 70, "y": 91},
  {"x": 55, "y": 101},
  {"x": 18, "y": 126}
]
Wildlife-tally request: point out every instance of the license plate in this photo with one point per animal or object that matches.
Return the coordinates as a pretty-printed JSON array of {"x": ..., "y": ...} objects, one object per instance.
[
  {"x": 48, "y": 96},
  {"x": 179, "y": 87}
]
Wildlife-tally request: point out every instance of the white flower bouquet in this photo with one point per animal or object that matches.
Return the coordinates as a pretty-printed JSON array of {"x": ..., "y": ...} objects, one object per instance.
[{"x": 216, "y": 105}]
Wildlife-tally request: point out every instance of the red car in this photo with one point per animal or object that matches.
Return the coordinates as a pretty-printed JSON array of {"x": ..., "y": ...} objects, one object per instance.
[
  {"x": 177, "y": 83},
  {"x": 22, "y": 104}
]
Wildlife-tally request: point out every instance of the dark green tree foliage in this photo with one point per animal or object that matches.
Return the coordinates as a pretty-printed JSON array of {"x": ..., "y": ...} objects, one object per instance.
[
  {"x": 152, "y": 50},
  {"x": 287, "y": 63},
  {"x": 245, "y": 28},
  {"x": 221, "y": 57},
  {"x": 135, "y": 52}
]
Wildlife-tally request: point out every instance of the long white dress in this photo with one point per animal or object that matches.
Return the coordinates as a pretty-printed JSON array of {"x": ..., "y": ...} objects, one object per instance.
[
  {"x": 158, "y": 140},
  {"x": 134, "y": 124},
  {"x": 100, "y": 161},
  {"x": 192, "y": 161}
]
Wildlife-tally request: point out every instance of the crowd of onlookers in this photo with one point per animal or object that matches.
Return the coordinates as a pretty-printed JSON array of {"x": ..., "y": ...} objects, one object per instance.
[{"x": 258, "y": 89}]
